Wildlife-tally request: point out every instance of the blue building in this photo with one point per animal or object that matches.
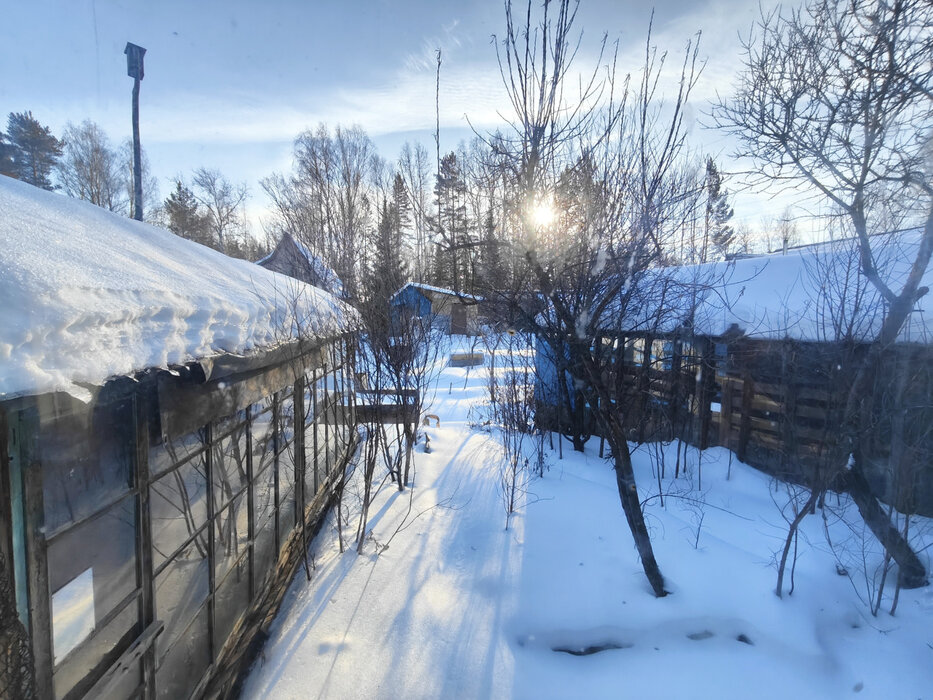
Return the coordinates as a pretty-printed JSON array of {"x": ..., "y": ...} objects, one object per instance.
[{"x": 454, "y": 312}]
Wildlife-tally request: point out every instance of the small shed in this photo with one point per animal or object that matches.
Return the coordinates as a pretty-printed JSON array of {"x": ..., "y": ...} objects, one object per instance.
[
  {"x": 293, "y": 258},
  {"x": 454, "y": 312},
  {"x": 169, "y": 436}
]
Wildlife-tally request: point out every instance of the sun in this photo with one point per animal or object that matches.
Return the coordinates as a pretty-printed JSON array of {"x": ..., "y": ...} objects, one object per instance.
[{"x": 542, "y": 213}]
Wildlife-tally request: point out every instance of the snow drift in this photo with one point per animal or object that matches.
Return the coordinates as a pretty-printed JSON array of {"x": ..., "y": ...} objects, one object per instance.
[{"x": 87, "y": 295}]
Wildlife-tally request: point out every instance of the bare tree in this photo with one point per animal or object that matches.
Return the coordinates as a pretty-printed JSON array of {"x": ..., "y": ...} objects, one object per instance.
[
  {"x": 223, "y": 201},
  {"x": 328, "y": 202},
  {"x": 90, "y": 167},
  {"x": 151, "y": 197},
  {"x": 510, "y": 381},
  {"x": 612, "y": 163},
  {"x": 837, "y": 98},
  {"x": 414, "y": 166}
]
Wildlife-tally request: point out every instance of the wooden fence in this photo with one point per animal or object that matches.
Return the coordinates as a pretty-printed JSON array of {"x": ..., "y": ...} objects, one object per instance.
[{"x": 778, "y": 404}]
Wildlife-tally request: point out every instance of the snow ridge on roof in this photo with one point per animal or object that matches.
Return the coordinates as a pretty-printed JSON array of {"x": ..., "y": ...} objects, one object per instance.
[
  {"x": 326, "y": 274},
  {"x": 439, "y": 290},
  {"x": 812, "y": 293},
  {"x": 89, "y": 295}
]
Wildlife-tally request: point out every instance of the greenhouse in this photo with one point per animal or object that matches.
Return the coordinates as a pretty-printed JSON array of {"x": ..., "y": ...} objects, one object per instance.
[{"x": 169, "y": 431}]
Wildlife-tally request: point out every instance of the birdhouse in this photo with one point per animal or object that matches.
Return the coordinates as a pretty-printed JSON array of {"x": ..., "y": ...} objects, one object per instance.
[{"x": 134, "y": 60}]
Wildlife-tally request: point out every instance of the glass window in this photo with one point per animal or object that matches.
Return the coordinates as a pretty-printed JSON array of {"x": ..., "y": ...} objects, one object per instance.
[
  {"x": 182, "y": 667},
  {"x": 263, "y": 432},
  {"x": 73, "y": 614},
  {"x": 174, "y": 451},
  {"x": 286, "y": 468},
  {"x": 95, "y": 560},
  {"x": 230, "y": 602},
  {"x": 264, "y": 550},
  {"x": 263, "y": 496},
  {"x": 286, "y": 418},
  {"x": 178, "y": 509},
  {"x": 231, "y": 534},
  {"x": 86, "y": 462},
  {"x": 180, "y": 590},
  {"x": 89, "y": 661},
  {"x": 286, "y": 514},
  {"x": 312, "y": 476},
  {"x": 228, "y": 468},
  {"x": 264, "y": 472}
]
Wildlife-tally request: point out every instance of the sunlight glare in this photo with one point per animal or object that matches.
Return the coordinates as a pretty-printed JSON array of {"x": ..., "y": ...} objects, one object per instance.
[{"x": 542, "y": 214}]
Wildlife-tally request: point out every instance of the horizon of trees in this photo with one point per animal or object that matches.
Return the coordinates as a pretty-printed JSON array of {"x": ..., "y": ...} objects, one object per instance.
[{"x": 449, "y": 219}]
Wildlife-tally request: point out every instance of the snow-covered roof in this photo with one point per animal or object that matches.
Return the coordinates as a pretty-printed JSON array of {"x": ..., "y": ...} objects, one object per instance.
[
  {"x": 810, "y": 293},
  {"x": 89, "y": 295},
  {"x": 329, "y": 280},
  {"x": 437, "y": 290}
]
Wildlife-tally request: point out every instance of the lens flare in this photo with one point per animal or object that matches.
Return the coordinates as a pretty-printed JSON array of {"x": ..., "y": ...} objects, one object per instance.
[{"x": 542, "y": 214}]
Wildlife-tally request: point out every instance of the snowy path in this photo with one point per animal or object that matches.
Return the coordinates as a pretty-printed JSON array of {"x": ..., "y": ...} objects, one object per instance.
[
  {"x": 457, "y": 607},
  {"x": 424, "y": 618}
]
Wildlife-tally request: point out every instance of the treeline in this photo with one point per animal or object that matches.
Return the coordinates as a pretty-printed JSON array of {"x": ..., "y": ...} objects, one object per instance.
[
  {"x": 452, "y": 222},
  {"x": 457, "y": 222},
  {"x": 84, "y": 163}
]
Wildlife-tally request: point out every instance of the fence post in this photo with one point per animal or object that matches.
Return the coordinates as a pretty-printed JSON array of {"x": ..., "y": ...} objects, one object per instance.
[
  {"x": 725, "y": 413},
  {"x": 745, "y": 426},
  {"x": 675, "y": 387},
  {"x": 705, "y": 394},
  {"x": 789, "y": 432}
]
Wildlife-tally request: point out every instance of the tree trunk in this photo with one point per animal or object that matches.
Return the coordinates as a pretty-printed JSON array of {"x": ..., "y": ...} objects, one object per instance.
[
  {"x": 912, "y": 573},
  {"x": 791, "y": 532},
  {"x": 631, "y": 504}
]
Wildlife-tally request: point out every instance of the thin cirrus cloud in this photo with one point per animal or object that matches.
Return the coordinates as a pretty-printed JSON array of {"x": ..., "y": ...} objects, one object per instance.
[{"x": 402, "y": 103}]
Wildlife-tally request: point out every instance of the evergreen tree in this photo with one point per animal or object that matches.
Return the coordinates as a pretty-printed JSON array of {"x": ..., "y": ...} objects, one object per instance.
[
  {"x": 718, "y": 212},
  {"x": 7, "y": 153},
  {"x": 184, "y": 217},
  {"x": 35, "y": 149},
  {"x": 492, "y": 266},
  {"x": 402, "y": 205},
  {"x": 388, "y": 269},
  {"x": 452, "y": 263}
]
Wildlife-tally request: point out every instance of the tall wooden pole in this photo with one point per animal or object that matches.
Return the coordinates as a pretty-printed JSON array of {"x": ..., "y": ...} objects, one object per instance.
[
  {"x": 137, "y": 158},
  {"x": 134, "y": 69}
]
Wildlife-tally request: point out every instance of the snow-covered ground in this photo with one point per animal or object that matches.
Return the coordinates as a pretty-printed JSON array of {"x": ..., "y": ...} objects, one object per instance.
[{"x": 458, "y": 607}]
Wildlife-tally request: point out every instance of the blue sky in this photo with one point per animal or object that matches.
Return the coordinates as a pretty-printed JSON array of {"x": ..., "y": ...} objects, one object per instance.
[{"x": 230, "y": 84}]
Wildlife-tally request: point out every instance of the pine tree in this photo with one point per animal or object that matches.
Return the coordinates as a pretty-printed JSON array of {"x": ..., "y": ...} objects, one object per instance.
[
  {"x": 7, "y": 154},
  {"x": 718, "y": 212},
  {"x": 184, "y": 216},
  {"x": 452, "y": 263},
  {"x": 388, "y": 271},
  {"x": 402, "y": 205},
  {"x": 491, "y": 264},
  {"x": 35, "y": 149}
]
